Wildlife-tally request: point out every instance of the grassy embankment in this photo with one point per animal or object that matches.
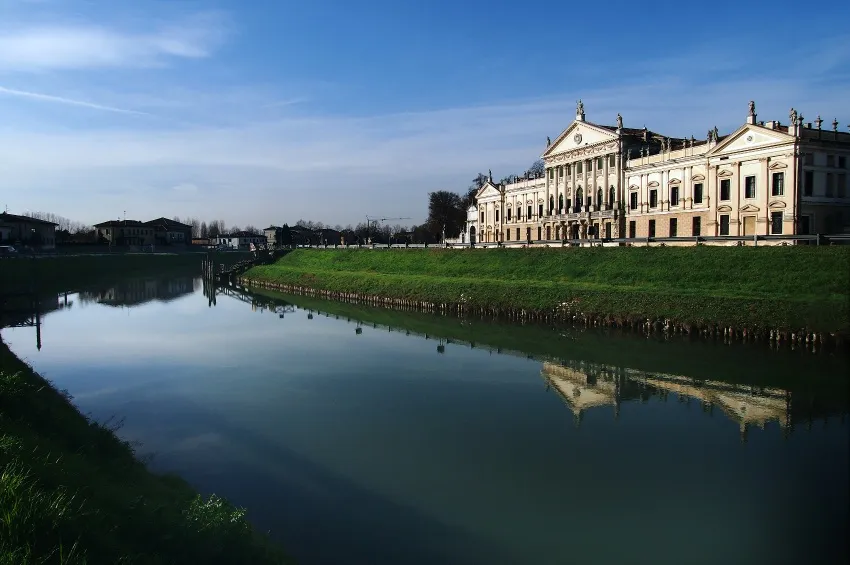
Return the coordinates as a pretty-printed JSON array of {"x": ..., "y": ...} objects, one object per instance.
[
  {"x": 761, "y": 289},
  {"x": 69, "y": 273},
  {"x": 71, "y": 492}
]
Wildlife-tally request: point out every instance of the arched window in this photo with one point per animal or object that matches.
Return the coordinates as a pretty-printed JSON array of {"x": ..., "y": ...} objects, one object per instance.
[
  {"x": 611, "y": 194},
  {"x": 578, "y": 199},
  {"x": 599, "y": 199},
  {"x": 561, "y": 203},
  {"x": 551, "y": 204}
]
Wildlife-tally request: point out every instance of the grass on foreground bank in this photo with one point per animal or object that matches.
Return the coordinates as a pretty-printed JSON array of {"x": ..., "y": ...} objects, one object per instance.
[
  {"x": 72, "y": 493},
  {"x": 72, "y": 272},
  {"x": 763, "y": 288}
]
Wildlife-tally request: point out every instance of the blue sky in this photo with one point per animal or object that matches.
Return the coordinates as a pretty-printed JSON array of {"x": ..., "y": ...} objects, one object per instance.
[{"x": 261, "y": 112}]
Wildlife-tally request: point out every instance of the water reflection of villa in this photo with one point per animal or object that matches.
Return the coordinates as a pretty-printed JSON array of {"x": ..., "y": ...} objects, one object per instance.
[
  {"x": 138, "y": 291},
  {"x": 583, "y": 386}
]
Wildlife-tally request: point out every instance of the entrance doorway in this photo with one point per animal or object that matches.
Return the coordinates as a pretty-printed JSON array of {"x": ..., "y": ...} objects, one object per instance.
[
  {"x": 472, "y": 235},
  {"x": 749, "y": 225}
]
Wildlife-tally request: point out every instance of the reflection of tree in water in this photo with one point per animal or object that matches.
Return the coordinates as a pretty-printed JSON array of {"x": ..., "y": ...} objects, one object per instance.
[{"x": 137, "y": 291}]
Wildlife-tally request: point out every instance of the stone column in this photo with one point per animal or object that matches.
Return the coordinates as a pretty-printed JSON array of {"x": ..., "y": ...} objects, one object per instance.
[
  {"x": 765, "y": 174},
  {"x": 712, "y": 193},
  {"x": 736, "y": 217},
  {"x": 605, "y": 188}
]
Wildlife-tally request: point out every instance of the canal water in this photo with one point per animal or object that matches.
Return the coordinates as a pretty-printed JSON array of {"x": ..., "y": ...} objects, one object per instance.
[{"x": 360, "y": 435}]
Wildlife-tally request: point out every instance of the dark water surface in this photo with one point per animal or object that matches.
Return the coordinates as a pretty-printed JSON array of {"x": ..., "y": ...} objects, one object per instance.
[{"x": 355, "y": 442}]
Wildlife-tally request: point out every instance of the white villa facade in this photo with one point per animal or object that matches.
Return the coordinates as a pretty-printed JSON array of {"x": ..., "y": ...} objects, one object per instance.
[{"x": 604, "y": 182}]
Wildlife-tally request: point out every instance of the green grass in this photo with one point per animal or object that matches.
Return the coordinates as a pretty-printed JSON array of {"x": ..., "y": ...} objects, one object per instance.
[
  {"x": 69, "y": 273},
  {"x": 759, "y": 288},
  {"x": 71, "y": 492}
]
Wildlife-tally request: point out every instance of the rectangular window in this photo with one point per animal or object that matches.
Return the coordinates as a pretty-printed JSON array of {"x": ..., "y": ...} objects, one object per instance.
[
  {"x": 776, "y": 223},
  {"x": 610, "y": 160},
  {"x": 567, "y": 170},
  {"x": 529, "y": 214},
  {"x": 725, "y": 189},
  {"x": 509, "y": 214},
  {"x": 508, "y": 234},
  {"x": 724, "y": 224},
  {"x": 539, "y": 233},
  {"x": 653, "y": 198},
  {"x": 674, "y": 196},
  {"x": 696, "y": 226},
  {"x": 551, "y": 174},
  {"x": 497, "y": 215},
  {"x": 482, "y": 217},
  {"x": 809, "y": 159},
  {"x": 651, "y": 228},
  {"x": 674, "y": 227},
  {"x": 809, "y": 183},
  {"x": 698, "y": 193},
  {"x": 830, "y": 185},
  {"x": 750, "y": 187},
  {"x": 842, "y": 162},
  {"x": 632, "y": 228},
  {"x": 517, "y": 234},
  {"x": 633, "y": 202},
  {"x": 599, "y": 163},
  {"x": 540, "y": 210},
  {"x": 578, "y": 168},
  {"x": 777, "y": 185},
  {"x": 830, "y": 160},
  {"x": 842, "y": 186}
]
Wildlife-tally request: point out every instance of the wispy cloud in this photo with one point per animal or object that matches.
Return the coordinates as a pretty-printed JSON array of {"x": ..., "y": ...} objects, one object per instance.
[
  {"x": 68, "y": 101},
  {"x": 86, "y": 46},
  {"x": 282, "y": 103}
]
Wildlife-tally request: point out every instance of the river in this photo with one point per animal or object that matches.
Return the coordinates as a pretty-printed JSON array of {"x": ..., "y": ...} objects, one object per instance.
[{"x": 360, "y": 435}]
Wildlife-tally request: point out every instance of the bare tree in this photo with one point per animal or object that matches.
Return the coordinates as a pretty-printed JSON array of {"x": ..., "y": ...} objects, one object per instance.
[{"x": 204, "y": 231}]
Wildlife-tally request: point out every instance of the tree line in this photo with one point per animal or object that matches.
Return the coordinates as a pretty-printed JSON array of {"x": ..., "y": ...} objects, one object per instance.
[
  {"x": 447, "y": 210},
  {"x": 446, "y": 219}
]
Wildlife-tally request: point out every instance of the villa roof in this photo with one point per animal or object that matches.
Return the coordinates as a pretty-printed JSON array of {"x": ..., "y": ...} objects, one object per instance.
[
  {"x": 168, "y": 224},
  {"x": 12, "y": 218},
  {"x": 120, "y": 224}
]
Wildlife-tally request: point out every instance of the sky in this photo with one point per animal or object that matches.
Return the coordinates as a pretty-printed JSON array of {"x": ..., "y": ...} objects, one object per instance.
[{"x": 265, "y": 112}]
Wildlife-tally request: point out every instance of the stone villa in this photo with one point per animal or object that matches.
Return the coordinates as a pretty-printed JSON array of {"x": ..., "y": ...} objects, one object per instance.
[{"x": 604, "y": 181}]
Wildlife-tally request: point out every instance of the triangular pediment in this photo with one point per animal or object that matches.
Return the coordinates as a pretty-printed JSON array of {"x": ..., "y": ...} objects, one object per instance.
[
  {"x": 488, "y": 190},
  {"x": 778, "y": 165},
  {"x": 748, "y": 137},
  {"x": 579, "y": 134}
]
